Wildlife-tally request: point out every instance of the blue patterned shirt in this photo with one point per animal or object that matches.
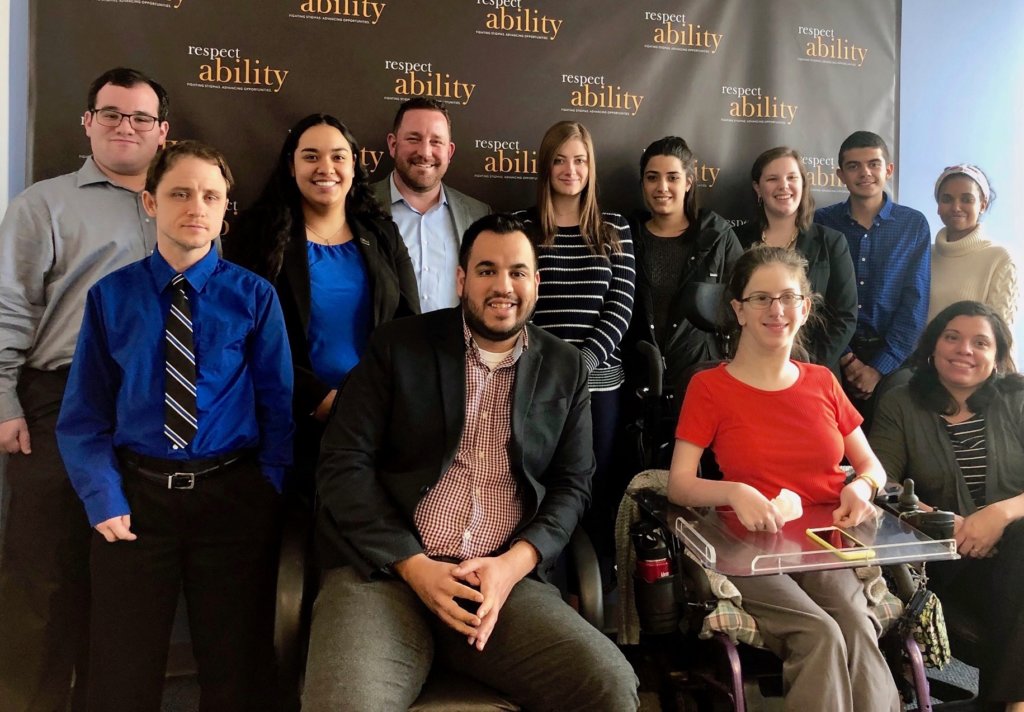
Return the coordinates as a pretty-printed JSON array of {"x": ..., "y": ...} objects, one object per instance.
[{"x": 892, "y": 260}]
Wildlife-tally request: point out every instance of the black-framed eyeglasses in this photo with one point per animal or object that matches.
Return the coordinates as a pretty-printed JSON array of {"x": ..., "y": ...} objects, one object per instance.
[
  {"x": 113, "y": 118},
  {"x": 760, "y": 300}
]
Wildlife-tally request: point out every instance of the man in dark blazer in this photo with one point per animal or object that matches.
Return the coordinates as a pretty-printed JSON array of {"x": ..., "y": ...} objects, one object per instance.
[
  {"x": 431, "y": 216},
  {"x": 449, "y": 487}
]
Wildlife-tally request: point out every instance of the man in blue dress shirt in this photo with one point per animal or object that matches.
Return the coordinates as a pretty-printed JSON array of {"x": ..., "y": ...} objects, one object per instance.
[
  {"x": 179, "y": 464},
  {"x": 891, "y": 249}
]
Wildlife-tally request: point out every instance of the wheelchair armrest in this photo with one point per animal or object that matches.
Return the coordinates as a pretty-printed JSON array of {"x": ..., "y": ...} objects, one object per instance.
[
  {"x": 655, "y": 367},
  {"x": 694, "y": 582},
  {"x": 583, "y": 560},
  {"x": 902, "y": 580}
]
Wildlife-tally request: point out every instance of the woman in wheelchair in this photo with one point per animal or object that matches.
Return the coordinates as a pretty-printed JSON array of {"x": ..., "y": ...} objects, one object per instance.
[
  {"x": 957, "y": 429},
  {"x": 760, "y": 413}
]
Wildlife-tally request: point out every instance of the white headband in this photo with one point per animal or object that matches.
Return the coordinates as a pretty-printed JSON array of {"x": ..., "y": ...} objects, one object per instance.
[{"x": 972, "y": 172}]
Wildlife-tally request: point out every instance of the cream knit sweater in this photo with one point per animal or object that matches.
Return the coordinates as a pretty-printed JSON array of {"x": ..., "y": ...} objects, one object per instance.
[{"x": 972, "y": 268}]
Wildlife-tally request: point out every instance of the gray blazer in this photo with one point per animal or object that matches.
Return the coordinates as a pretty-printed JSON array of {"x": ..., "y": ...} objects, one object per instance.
[
  {"x": 912, "y": 442},
  {"x": 464, "y": 210}
]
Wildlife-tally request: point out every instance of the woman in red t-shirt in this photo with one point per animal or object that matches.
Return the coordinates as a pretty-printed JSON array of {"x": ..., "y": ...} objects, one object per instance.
[{"x": 775, "y": 423}]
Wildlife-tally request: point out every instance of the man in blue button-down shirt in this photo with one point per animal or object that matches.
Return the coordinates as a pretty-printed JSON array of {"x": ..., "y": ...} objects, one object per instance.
[
  {"x": 431, "y": 216},
  {"x": 202, "y": 510},
  {"x": 890, "y": 246}
]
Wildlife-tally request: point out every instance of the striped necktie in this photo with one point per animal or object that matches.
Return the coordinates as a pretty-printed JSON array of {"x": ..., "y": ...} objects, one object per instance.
[{"x": 180, "y": 372}]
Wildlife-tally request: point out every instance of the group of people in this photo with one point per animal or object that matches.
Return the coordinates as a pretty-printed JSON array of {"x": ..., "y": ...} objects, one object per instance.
[{"x": 164, "y": 397}]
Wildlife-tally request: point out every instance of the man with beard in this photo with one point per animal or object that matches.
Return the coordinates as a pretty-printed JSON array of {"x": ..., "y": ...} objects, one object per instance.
[
  {"x": 430, "y": 215},
  {"x": 448, "y": 498}
]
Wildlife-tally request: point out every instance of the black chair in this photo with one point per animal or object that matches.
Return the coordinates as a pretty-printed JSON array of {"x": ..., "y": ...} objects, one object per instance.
[{"x": 445, "y": 690}]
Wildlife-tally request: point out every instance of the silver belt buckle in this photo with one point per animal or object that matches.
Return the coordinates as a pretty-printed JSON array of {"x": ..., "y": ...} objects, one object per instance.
[{"x": 181, "y": 480}]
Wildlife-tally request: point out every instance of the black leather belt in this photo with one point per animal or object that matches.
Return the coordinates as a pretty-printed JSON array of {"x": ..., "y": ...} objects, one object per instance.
[{"x": 180, "y": 474}]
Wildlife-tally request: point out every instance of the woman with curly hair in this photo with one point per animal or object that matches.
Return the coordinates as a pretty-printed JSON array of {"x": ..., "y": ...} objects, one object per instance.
[{"x": 338, "y": 263}]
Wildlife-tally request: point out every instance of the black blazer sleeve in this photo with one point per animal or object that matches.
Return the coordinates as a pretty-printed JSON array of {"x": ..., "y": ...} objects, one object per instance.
[
  {"x": 559, "y": 457},
  {"x": 398, "y": 256},
  {"x": 359, "y": 517},
  {"x": 839, "y": 296}
]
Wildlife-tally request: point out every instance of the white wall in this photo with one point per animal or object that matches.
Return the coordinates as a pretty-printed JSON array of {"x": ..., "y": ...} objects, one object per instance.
[
  {"x": 962, "y": 101},
  {"x": 13, "y": 96},
  {"x": 5, "y": 103}
]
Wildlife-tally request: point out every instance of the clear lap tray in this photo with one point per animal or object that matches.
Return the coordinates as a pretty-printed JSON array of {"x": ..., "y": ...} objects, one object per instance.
[{"x": 719, "y": 542}]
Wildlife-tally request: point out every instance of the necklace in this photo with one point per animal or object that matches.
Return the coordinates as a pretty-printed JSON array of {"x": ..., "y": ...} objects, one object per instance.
[
  {"x": 326, "y": 240},
  {"x": 789, "y": 245}
]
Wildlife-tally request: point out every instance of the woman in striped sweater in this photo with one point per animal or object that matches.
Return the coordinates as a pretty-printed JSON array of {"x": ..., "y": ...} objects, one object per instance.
[{"x": 587, "y": 277}]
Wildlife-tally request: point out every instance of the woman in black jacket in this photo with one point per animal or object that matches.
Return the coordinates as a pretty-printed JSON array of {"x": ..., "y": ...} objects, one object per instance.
[
  {"x": 339, "y": 265},
  {"x": 785, "y": 210},
  {"x": 676, "y": 243}
]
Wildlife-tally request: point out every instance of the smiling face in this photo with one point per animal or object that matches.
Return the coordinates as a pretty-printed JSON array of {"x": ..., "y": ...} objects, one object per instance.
[
  {"x": 422, "y": 148},
  {"x": 323, "y": 166},
  {"x": 189, "y": 204},
  {"x": 965, "y": 354},
  {"x": 775, "y": 327},
  {"x": 960, "y": 206},
  {"x": 665, "y": 185},
  {"x": 121, "y": 151},
  {"x": 570, "y": 168},
  {"x": 498, "y": 288},
  {"x": 864, "y": 171},
  {"x": 781, "y": 187}
]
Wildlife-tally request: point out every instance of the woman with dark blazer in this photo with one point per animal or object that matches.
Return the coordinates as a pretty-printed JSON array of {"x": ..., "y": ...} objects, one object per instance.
[
  {"x": 957, "y": 429},
  {"x": 338, "y": 263},
  {"x": 785, "y": 211}
]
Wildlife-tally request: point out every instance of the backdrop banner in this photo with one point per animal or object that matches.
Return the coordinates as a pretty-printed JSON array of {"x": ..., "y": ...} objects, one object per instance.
[{"x": 732, "y": 77}]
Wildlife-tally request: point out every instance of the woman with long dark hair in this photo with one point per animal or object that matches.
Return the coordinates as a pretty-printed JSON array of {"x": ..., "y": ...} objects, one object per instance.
[
  {"x": 339, "y": 265},
  {"x": 957, "y": 429},
  {"x": 677, "y": 243}
]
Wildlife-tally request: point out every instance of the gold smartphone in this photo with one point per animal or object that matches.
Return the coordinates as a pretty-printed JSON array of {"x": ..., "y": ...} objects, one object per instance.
[{"x": 841, "y": 543}]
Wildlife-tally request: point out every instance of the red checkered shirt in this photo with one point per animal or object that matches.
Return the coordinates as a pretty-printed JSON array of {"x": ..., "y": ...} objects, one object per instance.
[{"x": 476, "y": 505}]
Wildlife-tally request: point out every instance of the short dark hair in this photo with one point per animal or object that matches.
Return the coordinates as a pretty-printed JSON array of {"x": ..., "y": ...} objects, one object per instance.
[
  {"x": 128, "y": 78},
  {"x": 500, "y": 223},
  {"x": 676, "y": 146},
  {"x": 165, "y": 160},
  {"x": 925, "y": 387},
  {"x": 863, "y": 139},
  {"x": 425, "y": 103}
]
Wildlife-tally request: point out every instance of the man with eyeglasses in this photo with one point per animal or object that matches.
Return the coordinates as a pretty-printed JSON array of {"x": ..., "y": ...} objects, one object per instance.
[{"x": 57, "y": 239}]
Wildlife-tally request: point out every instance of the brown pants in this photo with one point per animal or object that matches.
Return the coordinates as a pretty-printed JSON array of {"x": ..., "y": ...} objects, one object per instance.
[{"x": 820, "y": 625}]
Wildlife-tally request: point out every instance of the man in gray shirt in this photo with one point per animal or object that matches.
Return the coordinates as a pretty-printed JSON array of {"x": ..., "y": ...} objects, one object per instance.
[
  {"x": 430, "y": 215},
  {"x": 57, "y": 239}
]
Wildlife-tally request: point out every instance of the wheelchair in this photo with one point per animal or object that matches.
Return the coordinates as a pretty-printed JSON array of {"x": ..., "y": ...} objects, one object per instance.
[
  {"x": 713, "y": 670},
  {"x": 708, "y": 650}
]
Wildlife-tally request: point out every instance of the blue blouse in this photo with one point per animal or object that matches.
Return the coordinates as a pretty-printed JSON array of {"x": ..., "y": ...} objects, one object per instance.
[{"x": 341, "y": 310}]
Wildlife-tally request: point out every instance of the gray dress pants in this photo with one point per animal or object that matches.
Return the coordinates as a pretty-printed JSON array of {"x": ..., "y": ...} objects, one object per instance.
[{"x": 373, "y": 643}]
